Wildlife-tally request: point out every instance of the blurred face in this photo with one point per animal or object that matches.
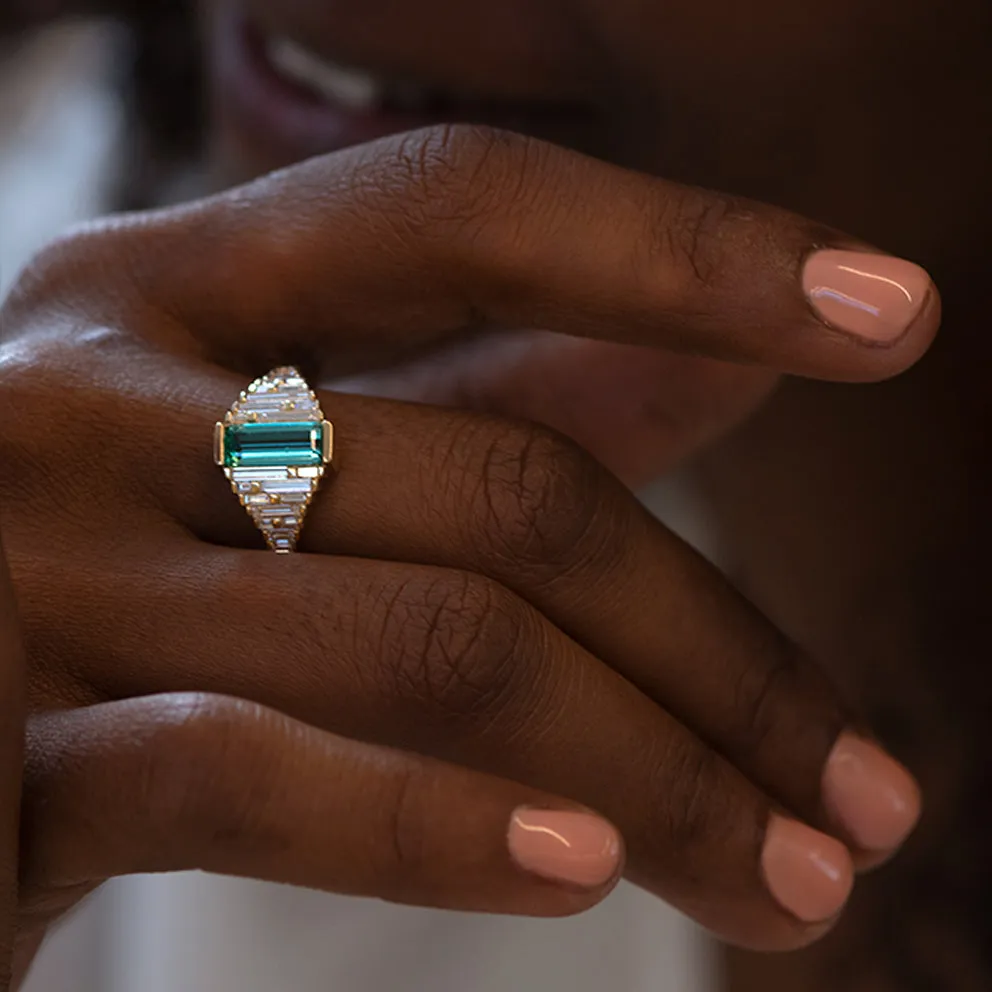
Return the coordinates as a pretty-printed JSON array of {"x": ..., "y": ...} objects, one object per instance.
[{"x": 866, "y": 114}]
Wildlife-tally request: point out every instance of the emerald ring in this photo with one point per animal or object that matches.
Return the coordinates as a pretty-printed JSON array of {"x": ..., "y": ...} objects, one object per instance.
[{"x": 275, "y": 446}]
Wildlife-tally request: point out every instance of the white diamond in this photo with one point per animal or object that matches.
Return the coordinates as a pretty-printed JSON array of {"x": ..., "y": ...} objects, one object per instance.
[
  {"x": 289, "y": 486},
  {"x": 250, "y": 475}
]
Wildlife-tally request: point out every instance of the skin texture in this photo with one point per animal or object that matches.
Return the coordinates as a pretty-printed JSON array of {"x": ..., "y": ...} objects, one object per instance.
[
  {"x": 854, "y": 518},
  {"x": 190, "y": 780},
  {"x": 764, "y": 102},
  {"x": 479, "y": 590}
]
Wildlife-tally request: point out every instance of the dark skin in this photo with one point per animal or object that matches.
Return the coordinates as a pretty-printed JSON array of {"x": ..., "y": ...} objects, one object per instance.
[
  {"x": 850, "y": 64},
  {"x": 479, "y": 590},
  {"x": 196, "y": 780}
]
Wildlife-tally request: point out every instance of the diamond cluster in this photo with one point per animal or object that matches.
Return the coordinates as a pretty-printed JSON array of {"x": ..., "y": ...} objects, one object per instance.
[{"x": 275, "y": 470}]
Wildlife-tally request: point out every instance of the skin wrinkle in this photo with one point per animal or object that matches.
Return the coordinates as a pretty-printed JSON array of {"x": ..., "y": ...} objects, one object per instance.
[
  {"x": 554, "y": 493},
  {"x": 449, "y": 632},
  {"x": 743, "y": 94},
  {"x": 552, "y": 496}
]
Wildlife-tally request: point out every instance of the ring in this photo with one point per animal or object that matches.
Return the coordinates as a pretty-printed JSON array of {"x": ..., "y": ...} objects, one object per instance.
[{"x": 274, "y": 446}]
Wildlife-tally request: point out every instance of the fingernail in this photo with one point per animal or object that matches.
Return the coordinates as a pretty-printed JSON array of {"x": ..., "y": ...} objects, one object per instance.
[
  {"x": 808, "y": 873},
  {"x": 874, "y": 297},
  {"x": 870, "y": 794},
  {"x": 562, "y": 846}
]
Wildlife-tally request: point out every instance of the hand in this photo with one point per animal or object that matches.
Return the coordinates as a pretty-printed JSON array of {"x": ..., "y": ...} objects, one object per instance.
[{"x": 480, "y": 591}]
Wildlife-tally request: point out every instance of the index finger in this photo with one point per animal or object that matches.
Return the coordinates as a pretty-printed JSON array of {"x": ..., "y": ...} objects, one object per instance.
[{"x": 418, "y": 237}]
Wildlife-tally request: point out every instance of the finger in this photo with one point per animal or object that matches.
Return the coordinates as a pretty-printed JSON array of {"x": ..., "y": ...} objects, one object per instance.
[
  {"x": 191, "y": 781},
  {"x": 415, "y": 238},
  {"x": 449, "y": 664},
  {"x": 531, "y": 511}
]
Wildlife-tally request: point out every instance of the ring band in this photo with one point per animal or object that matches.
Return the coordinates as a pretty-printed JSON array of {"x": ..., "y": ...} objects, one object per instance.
[{"x": 274, "y": 446}]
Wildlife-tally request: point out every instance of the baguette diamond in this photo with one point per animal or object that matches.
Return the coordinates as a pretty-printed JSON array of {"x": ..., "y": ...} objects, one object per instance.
[{"x": 274, "y": 446}]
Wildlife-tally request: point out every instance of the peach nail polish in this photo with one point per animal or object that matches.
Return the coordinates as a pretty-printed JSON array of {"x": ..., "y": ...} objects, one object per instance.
[
  {"x": 808, "y": 873},
  {"x": 563, "y": 846},
  {"x": 874, "y": 297},
  {"x": 870, "y": 794}
]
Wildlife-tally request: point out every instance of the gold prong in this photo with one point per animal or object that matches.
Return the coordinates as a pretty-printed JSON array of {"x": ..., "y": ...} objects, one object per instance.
[
  {"x": 328, "y": 452},
  {"x": 219, "y": 443}
]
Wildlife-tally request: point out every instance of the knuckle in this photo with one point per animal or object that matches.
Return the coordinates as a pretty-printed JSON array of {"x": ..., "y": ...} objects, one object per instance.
[
  {"x": 51, "y": 274},
  {"x": 696, "y": 804},
  {"x": 57, "y": 394},
  {"x": 63, "y": 273},
  {"x": 192, "y": 773},
  {"x": 688, "y": 235},
  {"x": 455, "y": 177},
  {"x": 454, "y": 645},
  {"x": 544, "y": 503},
  {"x": 759, "y": 697},
  {"x": 63, "y": 344},
  {"x": 404, "y": 849}
]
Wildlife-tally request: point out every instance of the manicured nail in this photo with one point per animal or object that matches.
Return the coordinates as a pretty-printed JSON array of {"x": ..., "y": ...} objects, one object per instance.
[
  {"x": 870, "y": 795},
  {"x": 570, "y": 847},
  {"x": 875, "y": 297},
  {"x": 809, "y": 874}
]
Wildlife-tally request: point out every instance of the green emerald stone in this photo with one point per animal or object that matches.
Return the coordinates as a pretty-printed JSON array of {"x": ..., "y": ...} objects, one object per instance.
[{"x": 275, "y": 445}]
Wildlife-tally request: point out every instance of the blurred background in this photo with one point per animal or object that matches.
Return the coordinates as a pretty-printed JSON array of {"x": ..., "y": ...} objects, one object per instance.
[{"x": 60, "y": 153}]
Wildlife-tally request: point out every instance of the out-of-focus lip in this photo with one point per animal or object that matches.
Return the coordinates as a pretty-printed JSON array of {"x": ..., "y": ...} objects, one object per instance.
[{"x": 295, "y": 122}]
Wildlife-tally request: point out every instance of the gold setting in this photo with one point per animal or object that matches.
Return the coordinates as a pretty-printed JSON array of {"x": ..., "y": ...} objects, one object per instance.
[
  {"x": 328, "y": 451},
  {"x": 219, "y": 443}
]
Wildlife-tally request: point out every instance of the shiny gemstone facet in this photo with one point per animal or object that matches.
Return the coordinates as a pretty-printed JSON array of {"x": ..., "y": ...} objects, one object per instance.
[{"x": 285, "y": 444}]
